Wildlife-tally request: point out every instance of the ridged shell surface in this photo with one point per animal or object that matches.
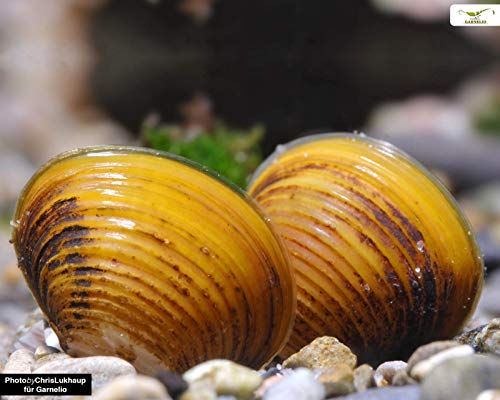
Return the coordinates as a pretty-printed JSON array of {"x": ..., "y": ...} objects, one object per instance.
[
  {"x": 384, "y": 259},
  {"x": 148, "y": 257}
]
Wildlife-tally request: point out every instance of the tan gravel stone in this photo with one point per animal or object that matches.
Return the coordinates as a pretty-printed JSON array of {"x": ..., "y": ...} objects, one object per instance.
[
  {"x": 323, "y": 352},
  {"x": 133, "y": 387},
  {"x": 337, "y": 380}
]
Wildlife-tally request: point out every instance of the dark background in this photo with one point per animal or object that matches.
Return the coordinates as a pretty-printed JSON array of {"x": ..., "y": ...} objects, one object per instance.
[{"x": 294, "y": 66}]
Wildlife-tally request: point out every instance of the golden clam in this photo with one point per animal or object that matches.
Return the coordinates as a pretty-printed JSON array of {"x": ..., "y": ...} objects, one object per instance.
[
  {"x": 383, "y": 257},
  {"x": 149, "y": 257}
]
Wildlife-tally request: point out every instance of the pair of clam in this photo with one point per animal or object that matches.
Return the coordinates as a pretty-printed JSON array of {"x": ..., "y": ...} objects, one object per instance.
[{"x": 155, "y": 259}]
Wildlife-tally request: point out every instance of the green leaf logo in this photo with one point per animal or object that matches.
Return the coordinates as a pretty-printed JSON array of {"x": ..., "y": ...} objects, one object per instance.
[{"x": 475, "y": 14}]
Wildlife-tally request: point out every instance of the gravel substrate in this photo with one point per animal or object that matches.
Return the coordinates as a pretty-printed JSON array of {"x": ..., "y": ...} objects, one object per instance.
[{"x": 467, "y": 367}]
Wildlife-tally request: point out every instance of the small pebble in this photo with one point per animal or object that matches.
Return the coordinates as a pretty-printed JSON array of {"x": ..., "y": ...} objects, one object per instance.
[
  {"x": 363, "y": 377},
  {"x": 228, "y": 377},
  {"x": 323, "y": 352},
  {"x": 488, "y": 338},
  {"x": 132, "y": 387},
  {"x": 174, "y": 383},
  {"x": 386, "y": 393},
  {"x": 385, "y": 372},
  {"x": 462, "y": 378},
  {"x": 485, "y": 338},
  {"x": 301, "y": 385},
  {"x": 337, "y": 380},
  {"x": 428, "y": 350},
  {"x": 103, "y": 369},
  {"x": 489, "y": 395},
  {"x": 200, "y": 390},
  {"x": 422, "y": 368},
  {"x": 469, "y": 336},
  {"x": 20, "y": 362}
]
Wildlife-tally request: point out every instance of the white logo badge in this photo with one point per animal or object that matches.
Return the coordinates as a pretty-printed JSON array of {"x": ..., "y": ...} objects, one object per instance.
[{"x": 475, "y": 15}]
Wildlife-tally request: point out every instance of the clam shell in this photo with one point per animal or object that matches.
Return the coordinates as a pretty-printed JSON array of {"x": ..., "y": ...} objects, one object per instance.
[
  {"x": 152, "y": 258},
  {"x": 383, "y": 257}
]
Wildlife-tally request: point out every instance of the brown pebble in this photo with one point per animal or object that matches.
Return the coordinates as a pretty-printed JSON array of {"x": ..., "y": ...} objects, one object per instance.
[
  {"x": 323, "y": 352},
  {"x": 337, "y": 380}
]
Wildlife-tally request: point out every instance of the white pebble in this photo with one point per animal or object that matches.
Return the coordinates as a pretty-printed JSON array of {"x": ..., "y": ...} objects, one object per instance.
[
  {"x": 385, "y": 372},
  {"x": 20, "y": 362},
  {"x": 492, "y": 394},
  {"x": 422, "y": 368},
  {"x": 301, "y": 385}
]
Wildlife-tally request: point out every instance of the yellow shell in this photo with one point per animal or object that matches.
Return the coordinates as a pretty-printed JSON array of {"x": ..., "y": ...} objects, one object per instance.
[
  {"x": 384, "y": 259},
  {"x": 146, "y": 256}
]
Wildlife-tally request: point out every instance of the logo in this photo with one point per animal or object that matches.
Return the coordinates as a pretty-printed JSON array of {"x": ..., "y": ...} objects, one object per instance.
[{"x": 475, "y": 15}]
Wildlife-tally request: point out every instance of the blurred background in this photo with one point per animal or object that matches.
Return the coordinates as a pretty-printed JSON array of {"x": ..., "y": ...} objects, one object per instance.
[{"x": 225, "y": 81}]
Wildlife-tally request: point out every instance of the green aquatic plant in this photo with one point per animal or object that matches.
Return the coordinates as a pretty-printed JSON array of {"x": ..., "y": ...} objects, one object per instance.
[
  {"x": 488, "y": 121},
  {"x": 233, "y": 153}
]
